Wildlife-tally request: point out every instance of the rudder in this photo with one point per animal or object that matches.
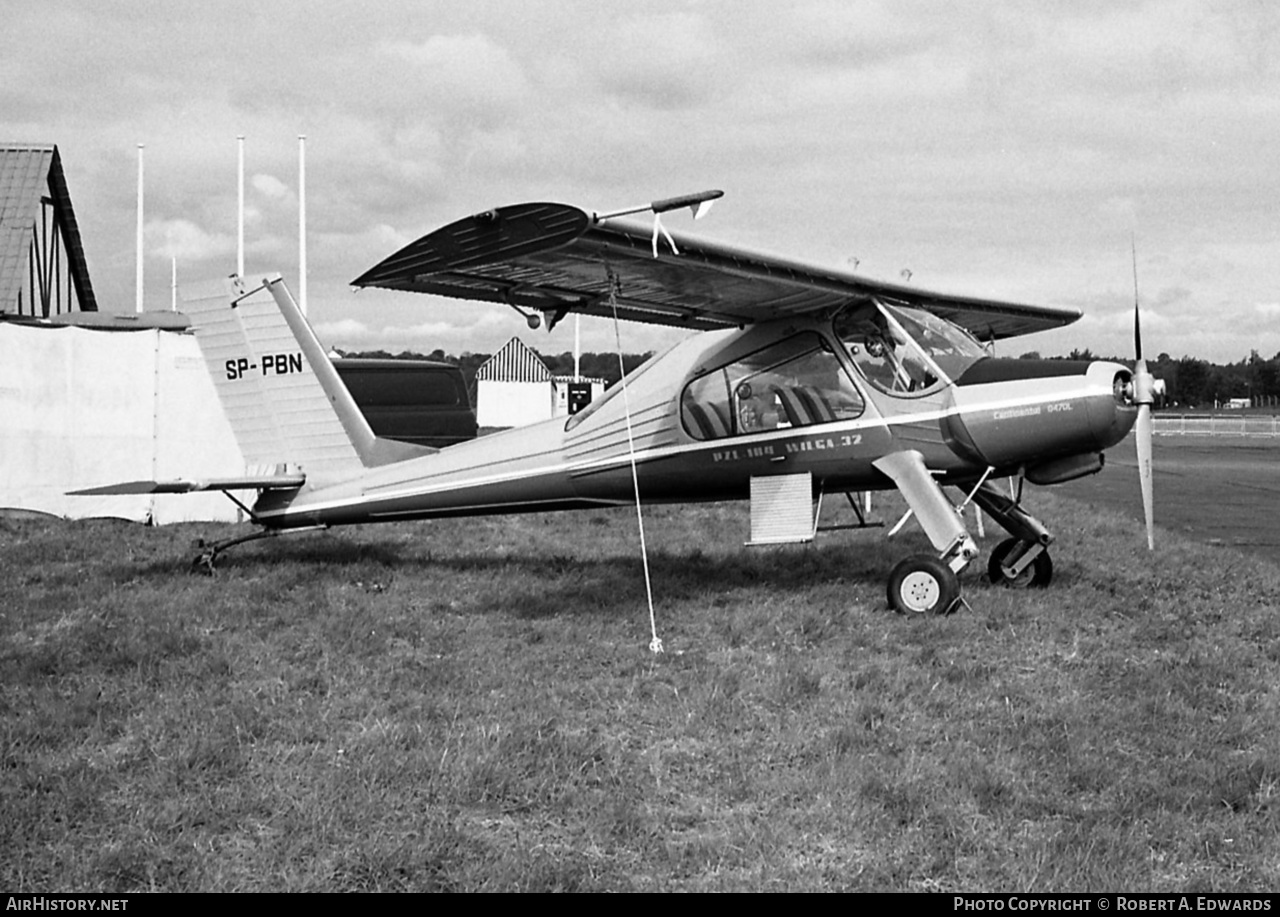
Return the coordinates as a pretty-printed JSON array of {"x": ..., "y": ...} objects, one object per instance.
[{"x": 283, "y": 398}]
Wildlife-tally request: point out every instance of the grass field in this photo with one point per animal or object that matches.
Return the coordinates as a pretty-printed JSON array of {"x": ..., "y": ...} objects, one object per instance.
[{"x": 471, "y": 705}]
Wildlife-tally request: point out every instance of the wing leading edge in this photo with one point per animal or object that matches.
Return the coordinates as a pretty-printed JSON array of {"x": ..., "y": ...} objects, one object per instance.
[{"x": 557, "y": 259}]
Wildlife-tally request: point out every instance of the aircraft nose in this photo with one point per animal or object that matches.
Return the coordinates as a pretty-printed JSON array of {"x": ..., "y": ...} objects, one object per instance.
[
  {"x": 1012, "y": 412},
  {"x": 1111, "y": 418}
]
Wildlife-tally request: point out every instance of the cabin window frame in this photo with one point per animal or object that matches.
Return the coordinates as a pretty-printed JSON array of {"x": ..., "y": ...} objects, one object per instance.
[{"x": 770, "y": 390}]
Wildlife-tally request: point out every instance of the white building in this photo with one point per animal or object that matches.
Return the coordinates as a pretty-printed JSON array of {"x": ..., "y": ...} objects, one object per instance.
[
  {"x": 514, "y": 388},
  {"x": 560, "y": 386}
]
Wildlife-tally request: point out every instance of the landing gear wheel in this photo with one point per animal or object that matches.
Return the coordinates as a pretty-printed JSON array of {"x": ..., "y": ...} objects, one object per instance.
[
  {"x": 922, "y": 585},
  {"x": 209, "y": 553},
  {"x": 204, "y": 561},
  {"x": 1037, "y": 574}
]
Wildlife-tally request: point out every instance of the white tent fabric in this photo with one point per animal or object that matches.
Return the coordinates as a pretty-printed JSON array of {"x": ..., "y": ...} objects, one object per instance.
[{"x": 81, "y": 408}]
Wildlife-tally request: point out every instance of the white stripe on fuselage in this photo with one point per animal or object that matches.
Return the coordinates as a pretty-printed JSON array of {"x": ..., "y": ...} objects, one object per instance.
[{"x": 409, "y": 489}]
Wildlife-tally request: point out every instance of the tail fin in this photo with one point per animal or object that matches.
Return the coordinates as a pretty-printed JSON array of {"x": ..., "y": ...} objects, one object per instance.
[{"x": 284, "y": 400}]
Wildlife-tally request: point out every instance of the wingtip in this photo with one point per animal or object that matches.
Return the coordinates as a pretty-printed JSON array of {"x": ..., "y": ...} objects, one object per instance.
[{"x": 127, "y": 488}]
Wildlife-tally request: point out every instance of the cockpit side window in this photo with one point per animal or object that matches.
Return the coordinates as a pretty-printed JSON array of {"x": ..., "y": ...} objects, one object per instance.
[{"x": 794, "y": 383}]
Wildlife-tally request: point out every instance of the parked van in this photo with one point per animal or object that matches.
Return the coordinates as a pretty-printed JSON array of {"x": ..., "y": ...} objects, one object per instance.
[{"x": 417, "y": 401}]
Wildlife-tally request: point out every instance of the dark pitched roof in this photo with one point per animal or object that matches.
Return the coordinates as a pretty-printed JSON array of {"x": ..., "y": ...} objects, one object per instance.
[{"x": 28, "y": 174}]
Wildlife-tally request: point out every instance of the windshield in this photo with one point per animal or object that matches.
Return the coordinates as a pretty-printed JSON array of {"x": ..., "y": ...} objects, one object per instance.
[{"x": 904, "y": 350}]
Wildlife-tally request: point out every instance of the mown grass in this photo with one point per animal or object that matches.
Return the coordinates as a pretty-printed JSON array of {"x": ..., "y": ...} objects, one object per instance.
[{"x": 472, "y": 705}]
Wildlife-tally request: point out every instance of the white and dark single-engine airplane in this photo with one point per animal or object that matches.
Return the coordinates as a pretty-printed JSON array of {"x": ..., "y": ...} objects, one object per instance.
[{"x": 804, "y": 381}]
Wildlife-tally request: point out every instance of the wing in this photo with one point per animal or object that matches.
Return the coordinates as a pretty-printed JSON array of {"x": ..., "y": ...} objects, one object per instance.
[{"x": 558, "y": 259}]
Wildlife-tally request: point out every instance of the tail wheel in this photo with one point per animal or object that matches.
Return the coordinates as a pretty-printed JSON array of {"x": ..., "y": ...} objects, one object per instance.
[
  {"x": 922, "y": 585},
  {"x": 1036, "y": 574}
]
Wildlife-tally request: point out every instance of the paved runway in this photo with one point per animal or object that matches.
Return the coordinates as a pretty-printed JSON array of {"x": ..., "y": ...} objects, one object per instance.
[{"x": 1218, "y": 490}]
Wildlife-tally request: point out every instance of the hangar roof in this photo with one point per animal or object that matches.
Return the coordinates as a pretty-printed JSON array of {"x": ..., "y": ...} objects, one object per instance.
[
  {"x": 515, "y": 362},
  {"x": 32, "y": 180}
]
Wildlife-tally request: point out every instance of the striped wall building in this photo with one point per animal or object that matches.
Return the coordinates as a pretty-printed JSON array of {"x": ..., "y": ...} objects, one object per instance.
[{"x": 514, "y": 388}]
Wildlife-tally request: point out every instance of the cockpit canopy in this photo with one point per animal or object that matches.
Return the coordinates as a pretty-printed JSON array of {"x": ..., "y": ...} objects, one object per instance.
[
  {"x": 902, "y": 350},
  {"x": 803, "y": 380}
]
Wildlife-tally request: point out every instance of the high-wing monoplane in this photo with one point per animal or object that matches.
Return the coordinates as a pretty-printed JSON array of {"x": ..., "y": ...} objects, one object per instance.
[{"x": 803, "y": 381}]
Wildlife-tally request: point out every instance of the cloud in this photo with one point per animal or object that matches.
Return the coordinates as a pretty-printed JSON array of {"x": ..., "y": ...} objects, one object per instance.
[
  {"x": 272, "y": 187},
  {"x": 185, "y": 241},
  {"x": 1122, "y": 51},
  {"x": 1121, "y": 211},
  {"x": 1009, "y": 148},
  {"x": 1121, "y": 323},
  {"x": 461, "y": 72},
  {"x": 425, "y": 336},
  {"x": 665, "y": 62},
  {"x": 478, "y": 328}
]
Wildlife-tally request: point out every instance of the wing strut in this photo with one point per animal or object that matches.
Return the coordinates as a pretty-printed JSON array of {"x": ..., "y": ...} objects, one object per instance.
[{"x": 698, "y": 203}]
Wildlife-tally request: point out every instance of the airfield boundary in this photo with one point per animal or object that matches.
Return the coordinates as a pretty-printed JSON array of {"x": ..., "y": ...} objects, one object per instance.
[{"x": 1216, "y": 425}]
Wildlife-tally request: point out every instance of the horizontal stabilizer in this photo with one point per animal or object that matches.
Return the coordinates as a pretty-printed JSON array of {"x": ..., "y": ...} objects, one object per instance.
[{"x": 267, "y": 482}]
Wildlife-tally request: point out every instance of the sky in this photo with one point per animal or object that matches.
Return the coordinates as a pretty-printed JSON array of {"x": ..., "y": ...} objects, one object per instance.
[{"x": 1015, "y": 150}]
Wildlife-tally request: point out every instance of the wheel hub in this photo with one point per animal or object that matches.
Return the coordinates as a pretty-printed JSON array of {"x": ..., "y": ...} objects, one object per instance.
[{"x": 920, "y": 591}]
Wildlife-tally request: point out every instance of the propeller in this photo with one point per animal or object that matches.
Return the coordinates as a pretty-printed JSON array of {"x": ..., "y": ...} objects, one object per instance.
[{"x": 1143, "y": 397}]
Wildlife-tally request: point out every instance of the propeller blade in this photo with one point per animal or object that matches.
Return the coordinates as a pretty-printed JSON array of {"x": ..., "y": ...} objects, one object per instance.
[
  {"x": 1142, "y": 431},
  {"x": 1143, "y": 397},
  {"x": 1137, "y": 316}
]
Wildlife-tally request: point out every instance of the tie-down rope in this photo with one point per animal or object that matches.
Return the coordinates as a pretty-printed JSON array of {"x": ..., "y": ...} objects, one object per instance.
[{"x": 655, "y": 645}]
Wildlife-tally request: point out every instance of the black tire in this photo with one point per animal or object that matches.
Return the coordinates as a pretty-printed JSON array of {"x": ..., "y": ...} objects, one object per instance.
[
  {"x": 204, "y": 563},
  {"x": 923, "y": 585},
  {"x": 1036, "y": 575}
]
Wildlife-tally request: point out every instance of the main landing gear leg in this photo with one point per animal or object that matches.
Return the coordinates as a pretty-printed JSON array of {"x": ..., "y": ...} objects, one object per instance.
[
  {"x": 924, "y": 584},
  {"x": 1021, "y": 561}
]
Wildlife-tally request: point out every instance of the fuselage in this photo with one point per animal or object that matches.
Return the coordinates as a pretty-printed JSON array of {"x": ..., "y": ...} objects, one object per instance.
[{"x": 785, "y": 397}]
